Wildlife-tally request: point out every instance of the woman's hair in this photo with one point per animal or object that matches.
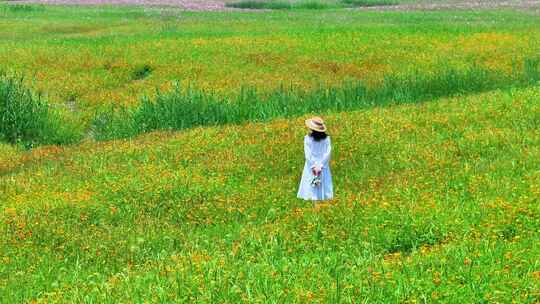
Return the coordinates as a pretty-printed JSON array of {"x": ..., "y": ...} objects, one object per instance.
[{"x": 318, "y": 136}]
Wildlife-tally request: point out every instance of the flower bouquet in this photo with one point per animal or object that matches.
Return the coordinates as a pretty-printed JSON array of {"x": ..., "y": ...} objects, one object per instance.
[{"x": 316, "y": 181}]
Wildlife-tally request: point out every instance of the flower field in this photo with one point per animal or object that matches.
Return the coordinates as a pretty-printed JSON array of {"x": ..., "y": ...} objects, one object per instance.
[
  {"x": 437, "y": 184},
  {"x": 434, "y": 201},
  {"x": 91, "y": 57}
]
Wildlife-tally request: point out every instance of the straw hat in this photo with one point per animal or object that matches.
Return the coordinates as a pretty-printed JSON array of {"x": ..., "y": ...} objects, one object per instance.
[{"x": 316, "y": 124}]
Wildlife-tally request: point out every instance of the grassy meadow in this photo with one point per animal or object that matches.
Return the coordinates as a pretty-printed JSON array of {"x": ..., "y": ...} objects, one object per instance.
[
  {"x": 152, "y": 156},
  {"x": 91, "y": 57},
  {"x": 435, "y": 201}
]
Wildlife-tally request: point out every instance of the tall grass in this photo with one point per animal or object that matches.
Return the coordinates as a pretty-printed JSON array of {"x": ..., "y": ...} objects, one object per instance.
[
  {"x": 315, "y": 5},
  {"x": 531, "y": 69},
  {"x": 281, "y": 5},
  {"x": 254, "y": 4},
  {"x": 22, "y": 8},
  {"x": 185, "y": 107},
  {"x": 369, "y": 3},
  {"x": 26, "y": 118}
]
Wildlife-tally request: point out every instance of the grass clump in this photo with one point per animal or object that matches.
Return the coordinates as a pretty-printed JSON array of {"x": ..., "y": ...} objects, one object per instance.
[
  {"x": 141, "y": 72},
  {"x": 279, "y": 5},
  {"x": 23, "y": 8},
  {"x": 251, "y": 4},
  {"x": 368, "y": 3},
  {"x": 187, "y": 108},
  {"x": 312, "y": 5},
  {"x": 531, "y": 69},
  {"x": 25, "y": 118}
]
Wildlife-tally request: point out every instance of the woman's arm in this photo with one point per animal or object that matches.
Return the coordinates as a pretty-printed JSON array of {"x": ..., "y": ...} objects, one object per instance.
[
  {"x": 307, "y": 152},
  {"x": 327, "y": 153}
]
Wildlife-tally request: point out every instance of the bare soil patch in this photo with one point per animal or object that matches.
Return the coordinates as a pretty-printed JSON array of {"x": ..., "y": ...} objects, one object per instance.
[
  {"x": 192, "y": 5},
  {"x": 532, "y": 5},
  {"x": 219, "y": 5}
]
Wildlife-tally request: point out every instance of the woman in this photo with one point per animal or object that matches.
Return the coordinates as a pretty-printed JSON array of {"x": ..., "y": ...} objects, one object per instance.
[{"x": 316, "y": 183}]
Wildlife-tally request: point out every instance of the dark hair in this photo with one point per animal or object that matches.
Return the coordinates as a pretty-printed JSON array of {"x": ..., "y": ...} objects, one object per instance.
[{"x": 318, "y": 136}]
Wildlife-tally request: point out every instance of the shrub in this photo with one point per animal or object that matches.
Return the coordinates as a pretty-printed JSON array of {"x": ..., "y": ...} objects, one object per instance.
[
  {"x": 312, "y": 5},
  {"x": 531, "y": 68},
  {"x": 22, "y": 115},
  {"x": 23, "y": 8},
  {"x": 254, "y": 4},
  {"x": 141, "y": 72},
  {"x": 26, "y": 118},
  {"x": 367, "y": 3}
]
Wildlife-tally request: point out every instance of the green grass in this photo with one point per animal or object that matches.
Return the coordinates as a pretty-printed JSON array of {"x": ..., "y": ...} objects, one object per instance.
[
  {"x": 314, "y": 5},
  {"x": 25, "y": 118},
  {"x": 281, "y": 5},
  {"x": 188, "y": 108},
  {"x": 317, "y": 5},
  {"x": 434, "y": 121},
  {"x": 435, "y": 201},
  {"x": 368, "y": 3},
  {"x": 247, "y": 4},
  {"x": 88, "y": 55},
  {"x": 22, "y": 8},
  {"x": 117, "y": 56},
  {"x": 140, "y": 73}
]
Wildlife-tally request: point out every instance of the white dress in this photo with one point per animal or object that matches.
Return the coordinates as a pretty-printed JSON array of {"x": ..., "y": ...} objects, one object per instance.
[{"x": 317, "y": 155}]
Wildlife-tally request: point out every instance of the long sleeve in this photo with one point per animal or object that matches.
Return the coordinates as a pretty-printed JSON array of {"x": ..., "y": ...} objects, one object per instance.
[
  {"x": 317, "y": 155},
  {"x": 327, "y": 153},
  {"x": 308, "y": 154}
]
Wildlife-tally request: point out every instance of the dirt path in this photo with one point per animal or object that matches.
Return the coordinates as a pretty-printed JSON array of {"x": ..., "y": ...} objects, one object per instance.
[{"x": 533, "y": 5}]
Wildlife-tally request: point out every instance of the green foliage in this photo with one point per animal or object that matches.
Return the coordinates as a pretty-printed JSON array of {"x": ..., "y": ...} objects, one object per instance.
[
  {"x": 23, "y": 116},
  {"x": 23, "y": 8},
  {"x": 312, "y": 5},
  {"x": 91, "y": 52},
  {"x": 316, "y": 5},
  {"x": 254, "y": 4},
  {"x": 141, "y": 72},
  {"x": 435, "y": 202},
  {"x": 26, "y": 118},
  {"x": 187, "y": 108},
  {"x": 532, "y": 69},
  {"x": 368, "y": 3}
]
